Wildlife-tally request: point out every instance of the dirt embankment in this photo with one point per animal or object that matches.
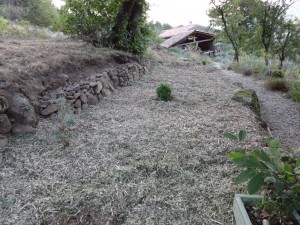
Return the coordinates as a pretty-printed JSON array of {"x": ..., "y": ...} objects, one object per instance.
[{"x": 31, "y": 70}]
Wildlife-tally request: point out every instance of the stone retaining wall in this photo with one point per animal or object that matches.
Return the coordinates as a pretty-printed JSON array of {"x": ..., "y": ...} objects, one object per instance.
[{"x": 17, "y": 114}]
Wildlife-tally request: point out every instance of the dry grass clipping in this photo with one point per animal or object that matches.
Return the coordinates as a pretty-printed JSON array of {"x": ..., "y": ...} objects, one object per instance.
[{"x": 133, "y": 159}]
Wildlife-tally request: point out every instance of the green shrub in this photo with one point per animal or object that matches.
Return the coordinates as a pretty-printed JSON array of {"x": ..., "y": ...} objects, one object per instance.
[
  {"x": 277, "y": 74},
  {"x": 24, "y": 23},
  {"x": 277, "y": 84},
  {"x": 296, "y": 96},
  {"x": 295, "y": 91},
  {"x": 276, "y": 175},
  {"x": 3, "y": 26},
  {"x": 248, "y": 71},
  {"x": 204, "y": 63},
  {"x": 164, "y": 92}
]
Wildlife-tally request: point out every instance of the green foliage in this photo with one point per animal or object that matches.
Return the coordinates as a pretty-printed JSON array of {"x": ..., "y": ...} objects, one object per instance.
[
  {"x": 277, "y": 175},
  {"x": 277, "y": 84},
  {"x": 87, "y": 18},
  {"x": 240, "y": 137},
  {"x": 277, "y": 74},
  {"x": 95, "y": 21},
  {"x": 3, "y": 26},
  {"x": 295, "y": 91},
  {"x": 38, "y": 12},
  {"x": 164, "y": 92}
]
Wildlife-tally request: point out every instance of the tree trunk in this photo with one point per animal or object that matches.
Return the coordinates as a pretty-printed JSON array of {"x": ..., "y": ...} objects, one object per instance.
[
  {"x": 267, "y": 56},
  {"x": 136, "y": 13},
  {"x": 121, "y": 22}
]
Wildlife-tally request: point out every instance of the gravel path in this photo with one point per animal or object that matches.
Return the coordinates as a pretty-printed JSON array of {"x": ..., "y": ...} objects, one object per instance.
[
  {"x": 281, "y": 114},
  {"x": 133, "y": 159}
]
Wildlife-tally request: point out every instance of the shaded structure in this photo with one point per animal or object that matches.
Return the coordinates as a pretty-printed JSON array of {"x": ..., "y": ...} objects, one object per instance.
[{"x": 189, "y": 38}]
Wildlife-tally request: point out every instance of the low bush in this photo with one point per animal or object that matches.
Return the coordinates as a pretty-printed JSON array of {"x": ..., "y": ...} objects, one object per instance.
[
  {"x": 277, "y": 74},
  {"x": 164, "y": 92},
  {"x": 248, "y": 71},
  {"x": 3, "y": 26},
  {"x": 277, "y": 84},
  {"x": 296, "y": 96},
  {"x": 295, "y": 91}
]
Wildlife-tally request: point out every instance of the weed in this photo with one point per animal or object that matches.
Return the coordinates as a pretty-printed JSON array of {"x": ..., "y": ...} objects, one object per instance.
[
  {"x": 277, "y": 74},
  {"x": 3, "y": 26},
  {"x": 277, "y": 84},
  {"x": 296, "y": 96},
  {"x": 164, "y": 92},
  {"x": 248, "y": 72}
]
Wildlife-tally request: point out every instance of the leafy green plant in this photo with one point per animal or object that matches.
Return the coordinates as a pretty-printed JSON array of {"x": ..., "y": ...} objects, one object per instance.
[
  {"x": 277, "y": 74},
  {"x": 278, "y": 176},
  {"x": 295, "y": 91},
  {"x": 164, "y": 92},
  {"x": 296, "y": 96},
  {"x": 277, "y": 84},
  {"x": 3, "y": 26}
]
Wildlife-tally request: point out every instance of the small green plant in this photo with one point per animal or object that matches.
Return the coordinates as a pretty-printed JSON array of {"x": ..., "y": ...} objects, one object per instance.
[
  {"x": 276, "y": 175},
  {"x": 277, "y": 84},
  {"x": 295, "y": 91},
  {"x": 3, "y": 26},
  {"x": 204, "y": 63},
  {"x": 164, "y": 92},
  {"x": 277, "y": 74},
  {"x": 296, "y": 96}
]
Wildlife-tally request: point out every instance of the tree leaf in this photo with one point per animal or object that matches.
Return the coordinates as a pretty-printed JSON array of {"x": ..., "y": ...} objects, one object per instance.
[
  {"x": 230, "y": 136},
  {"x": 234, "y": 155},
  {"x": 298, "y": 161},
  {"x": 244, "y": 176},
  {"x": 248, "y": 162},
  {"x": 274, "y": 145},
  {"x": 255, "y": 183},
  {"x": 262, "y": 155},
  {"x": 242, "y": 135}
]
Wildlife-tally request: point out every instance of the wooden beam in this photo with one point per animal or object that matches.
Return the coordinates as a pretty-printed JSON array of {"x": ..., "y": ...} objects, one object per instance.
[{"x": 206, "y": 40}]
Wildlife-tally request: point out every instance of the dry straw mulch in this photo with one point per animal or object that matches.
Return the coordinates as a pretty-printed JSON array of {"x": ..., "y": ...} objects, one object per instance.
[{"x": 132, "y": 159}]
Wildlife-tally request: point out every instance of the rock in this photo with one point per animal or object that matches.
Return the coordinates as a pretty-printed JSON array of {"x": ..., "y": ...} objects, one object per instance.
[
  {"x": 105, "y": 82},
  {"x": 77, "y": 95},
  {"x": 23, "y": 129},
  {"x": 115, "y": 81},
  {"x": 93, "y": 78},
  {"x": 5, "y": 125},
  {"x": 21, "y": 110},
  {"x": 93, "y": 84},
  {"x": 49, "y": 110},
  {"x": 3, "y": 104},
  {"x": 84, "y": 106},
  {"x": 70, "y": 97},
  {"x": 105, "y": 92},
  {"x": 77, "y": 111},
  {"x": 111, "y": 88},
  {"x": 83, "y": 98},
  {"x": 77, "y": 103},
  {"x": 98, "y": 88},
  {"x": 92, "y": 99},
  {"x": 249, "y": 98},
  {"x": 4, "y": 84},
  {"x": 76, "y": 87},
  {"x": 3, "y": 141}
]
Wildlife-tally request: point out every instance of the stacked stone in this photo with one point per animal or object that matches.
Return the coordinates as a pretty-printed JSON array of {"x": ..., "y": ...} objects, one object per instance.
[
  {"x": 17, "y": 115},
  {"x": 90, "y": 91}
]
